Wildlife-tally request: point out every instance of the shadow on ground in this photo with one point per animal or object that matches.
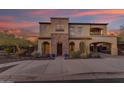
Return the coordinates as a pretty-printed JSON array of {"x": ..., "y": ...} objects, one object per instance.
[{"x": 119, "y": 80}]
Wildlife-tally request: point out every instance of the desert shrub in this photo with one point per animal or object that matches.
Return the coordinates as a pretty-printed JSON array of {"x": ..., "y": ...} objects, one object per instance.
[
  {"x": 83, "y": 55},
  {"x": 94, "y": 55},
  {"x": 76, "y": 54},
  {"x": 36, "y": 55}
]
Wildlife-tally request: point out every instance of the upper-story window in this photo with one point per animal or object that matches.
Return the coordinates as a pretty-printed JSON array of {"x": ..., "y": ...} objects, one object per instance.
[
  {"x": 74, "y": 31},
  {"x": 79, "y": 29},
  {"x": 59, "y": 27},
  {"x": 43, "y": 27},
  {"x": 95, "y": 31}
]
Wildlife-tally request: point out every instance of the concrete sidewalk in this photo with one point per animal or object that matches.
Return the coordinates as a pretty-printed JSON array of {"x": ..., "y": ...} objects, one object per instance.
[{"x": 60, "y": 69}]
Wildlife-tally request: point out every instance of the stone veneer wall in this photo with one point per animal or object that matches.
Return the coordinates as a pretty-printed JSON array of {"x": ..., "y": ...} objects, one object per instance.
[{"x": 59, "y": 38}]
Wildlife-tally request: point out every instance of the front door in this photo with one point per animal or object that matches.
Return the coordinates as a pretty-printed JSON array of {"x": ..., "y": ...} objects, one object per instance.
[{"x": 59, "y": 49}]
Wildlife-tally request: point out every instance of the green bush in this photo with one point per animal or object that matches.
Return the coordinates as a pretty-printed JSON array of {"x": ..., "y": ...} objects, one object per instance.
[{"x": 8, "y": 50}]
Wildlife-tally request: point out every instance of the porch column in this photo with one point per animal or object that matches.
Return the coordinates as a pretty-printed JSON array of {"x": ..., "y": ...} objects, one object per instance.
[
  {"x": 95, "y": 47},
  {"x": 39, "y": 46},
  {"x": 88, "y": 48},
  {"x": 50, "y": 48},
  {"x": 114, "y": 49}
]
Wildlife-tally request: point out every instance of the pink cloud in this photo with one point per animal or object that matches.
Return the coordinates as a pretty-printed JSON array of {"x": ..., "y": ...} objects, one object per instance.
[
  {"x": 41, "y": 12},
  {"x": 19, "y": 32},
  {"x": 21, "y": 24},
  {"x": 103, "y": 11},
  {"x": 46, "y": 13},
  {"x": 106, "y": 15},
  {"x": 7, "y": 17},
  {"x": 106, "y": 18}
]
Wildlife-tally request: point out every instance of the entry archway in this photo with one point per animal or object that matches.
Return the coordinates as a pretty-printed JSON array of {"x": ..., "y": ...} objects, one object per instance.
[
  {"x": 101, "y": 47},
  {"x": 59, "y": 49}
]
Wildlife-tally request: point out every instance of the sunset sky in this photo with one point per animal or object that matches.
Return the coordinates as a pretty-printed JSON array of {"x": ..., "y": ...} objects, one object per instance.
[{"x": 26, "y": 21}]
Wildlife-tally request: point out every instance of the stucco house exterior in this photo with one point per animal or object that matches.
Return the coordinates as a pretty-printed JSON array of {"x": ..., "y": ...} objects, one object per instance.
[{"x": 60, "y": 37}]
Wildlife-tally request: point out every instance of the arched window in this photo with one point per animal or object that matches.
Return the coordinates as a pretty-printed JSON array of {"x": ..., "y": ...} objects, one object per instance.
[
  {"x": 45, "y": 48},
  {"x": 71, "y": 46}
]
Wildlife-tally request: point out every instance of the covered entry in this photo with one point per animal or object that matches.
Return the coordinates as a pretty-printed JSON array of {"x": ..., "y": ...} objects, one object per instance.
[
  {"x": 59, "y": 49},
  {"x": 101, "y": 47}
]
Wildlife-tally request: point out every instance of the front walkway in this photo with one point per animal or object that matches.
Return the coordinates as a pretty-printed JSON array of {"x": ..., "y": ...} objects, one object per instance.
[{"x": 60, "y": 69}]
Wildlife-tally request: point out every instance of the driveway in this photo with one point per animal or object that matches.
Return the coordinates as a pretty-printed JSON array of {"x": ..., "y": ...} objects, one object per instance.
[{"x": 60, "y": 69}]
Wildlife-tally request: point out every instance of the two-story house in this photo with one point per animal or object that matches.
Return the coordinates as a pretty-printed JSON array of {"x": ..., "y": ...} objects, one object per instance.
[{"x": 60, "y": 37}]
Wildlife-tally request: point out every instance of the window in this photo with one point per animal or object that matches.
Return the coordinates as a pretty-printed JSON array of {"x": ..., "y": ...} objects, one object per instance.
[
  {"x": 59, "y": 27},
  {"x": 96, "y": 31},
  {"x": 74, "y": 31},
  {"x": 43, "y": 27},
  {"x": 79, "y": 29}
]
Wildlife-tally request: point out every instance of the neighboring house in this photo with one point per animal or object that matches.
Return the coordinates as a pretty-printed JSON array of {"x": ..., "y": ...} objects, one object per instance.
[{"x": 60, "y": 37}]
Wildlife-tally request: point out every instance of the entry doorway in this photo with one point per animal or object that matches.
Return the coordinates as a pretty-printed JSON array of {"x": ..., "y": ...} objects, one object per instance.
[{"x": 59, "y": 49}]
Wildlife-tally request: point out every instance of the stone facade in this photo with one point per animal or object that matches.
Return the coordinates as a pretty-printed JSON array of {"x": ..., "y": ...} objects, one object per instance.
[
  {"x": 61, "y": 31},
  {"x": 60, "y": 38}
]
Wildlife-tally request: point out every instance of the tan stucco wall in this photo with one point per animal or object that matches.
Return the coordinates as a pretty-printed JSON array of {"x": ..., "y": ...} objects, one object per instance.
[
  {"x": 51, "y": 29},
  {"x": 45, "y": 33}
]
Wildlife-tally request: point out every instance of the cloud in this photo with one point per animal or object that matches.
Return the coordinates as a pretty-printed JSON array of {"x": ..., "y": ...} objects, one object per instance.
[
  {"x": 106, "y": 18},
  {"x": 7, "y": 17},
  {"x": 15, "y": 21},
  {"x": 22, "y": 28},
  {"x": 102, "y": 15},
  {"x": 20, "y": 32},
  {"x": 100, "y": 11},
  {"x": 46, "y": 13},
  {"x": 21, "y": 24},
  {"x": 41, "y": 12}
]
